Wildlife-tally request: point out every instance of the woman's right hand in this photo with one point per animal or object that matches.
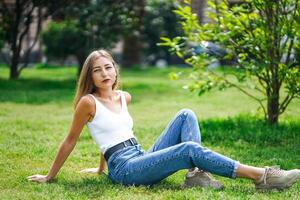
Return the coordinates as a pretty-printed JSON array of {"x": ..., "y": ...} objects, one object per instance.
[{"x": 38, "y": 178}]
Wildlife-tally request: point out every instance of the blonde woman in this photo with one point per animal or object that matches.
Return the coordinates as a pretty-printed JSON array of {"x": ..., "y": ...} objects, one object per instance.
[{"x": 103, "y": 108}]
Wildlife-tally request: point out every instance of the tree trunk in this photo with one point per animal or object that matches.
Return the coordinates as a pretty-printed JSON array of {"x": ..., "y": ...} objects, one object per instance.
[
  {"x": 132, "y": 49},
  {"x": 198, "y": 7},
  {"x": 13, "y": 41},
  {"x": 14, "y": 74},
  {"x": 273, "y": 109},
  {"x": 273, "y": 99}
]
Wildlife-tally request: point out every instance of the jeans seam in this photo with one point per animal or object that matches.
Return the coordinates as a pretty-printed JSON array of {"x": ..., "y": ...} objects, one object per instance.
[{"x": 188, "y": 125}]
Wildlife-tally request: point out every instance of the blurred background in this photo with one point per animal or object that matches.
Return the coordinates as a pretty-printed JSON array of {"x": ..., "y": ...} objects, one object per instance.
[
  {"x": 255, "y": 42},
  {"x": 64, "y": 32}
]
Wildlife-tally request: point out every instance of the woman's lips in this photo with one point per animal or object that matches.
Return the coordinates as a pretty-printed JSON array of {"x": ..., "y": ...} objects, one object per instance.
[{"x": 105, "y": 80}]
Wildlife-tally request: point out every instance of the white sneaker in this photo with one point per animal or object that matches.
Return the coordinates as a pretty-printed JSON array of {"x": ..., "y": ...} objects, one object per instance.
[
  {"x": 276, "y": 178},
  {"x": 201, "y": 179}
]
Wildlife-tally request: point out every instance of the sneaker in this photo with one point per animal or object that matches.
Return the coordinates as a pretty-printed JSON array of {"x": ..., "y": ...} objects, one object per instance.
[
  {"x": 201, "y": 179},
  {"x": 276, "y": 178}
]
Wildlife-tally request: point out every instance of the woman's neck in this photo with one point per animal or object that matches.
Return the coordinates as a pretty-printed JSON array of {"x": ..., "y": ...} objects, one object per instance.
[{"x": 105, "y": 94}]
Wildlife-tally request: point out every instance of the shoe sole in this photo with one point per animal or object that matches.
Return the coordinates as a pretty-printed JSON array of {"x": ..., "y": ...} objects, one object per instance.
[{"x": 265, "y": 188}]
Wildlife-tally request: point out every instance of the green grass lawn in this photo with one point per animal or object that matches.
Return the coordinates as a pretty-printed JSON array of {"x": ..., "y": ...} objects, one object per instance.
[{"x": 36, "y": 111}]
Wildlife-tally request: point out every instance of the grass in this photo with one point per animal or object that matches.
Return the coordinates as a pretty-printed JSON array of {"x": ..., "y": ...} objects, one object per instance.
[{"x": 36, "y": 110}]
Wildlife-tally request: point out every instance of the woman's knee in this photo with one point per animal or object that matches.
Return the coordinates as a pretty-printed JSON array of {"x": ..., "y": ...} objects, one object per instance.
[
  {"x": 191, "y": 147},
  {"x": 187, "y": 112}
]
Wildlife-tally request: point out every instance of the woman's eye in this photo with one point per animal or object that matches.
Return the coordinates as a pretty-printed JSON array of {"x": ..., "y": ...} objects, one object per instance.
[{"x": 108, "y": 67}]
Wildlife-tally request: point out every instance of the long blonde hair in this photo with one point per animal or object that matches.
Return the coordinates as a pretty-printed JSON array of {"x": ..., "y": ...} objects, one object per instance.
[{"x": 85, "y": 83}]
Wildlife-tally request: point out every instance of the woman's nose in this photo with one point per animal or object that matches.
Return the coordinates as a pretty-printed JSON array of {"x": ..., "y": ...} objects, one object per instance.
[{"x": 104, "y": 73}]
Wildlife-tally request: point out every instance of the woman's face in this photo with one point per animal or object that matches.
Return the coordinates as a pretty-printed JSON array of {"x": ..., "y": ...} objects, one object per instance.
[{"x": 103, "y": 73}]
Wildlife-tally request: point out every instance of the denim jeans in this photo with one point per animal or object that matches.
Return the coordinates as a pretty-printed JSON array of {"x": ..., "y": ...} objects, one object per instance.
[{"x": 178, "y": 147}]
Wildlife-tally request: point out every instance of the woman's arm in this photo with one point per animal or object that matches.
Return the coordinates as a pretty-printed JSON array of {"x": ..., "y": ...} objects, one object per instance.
[
  {"x": 127, "y": 97},
  {"x": 81, "y": 115},
  {"x": 97, "y": 170},
  {"x": 102, "y": 164}
]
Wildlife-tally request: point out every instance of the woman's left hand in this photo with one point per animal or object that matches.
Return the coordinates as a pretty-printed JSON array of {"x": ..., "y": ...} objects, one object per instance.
[
  {"x": 38, "y": 178},
  {"x": 91, "y": 171}
]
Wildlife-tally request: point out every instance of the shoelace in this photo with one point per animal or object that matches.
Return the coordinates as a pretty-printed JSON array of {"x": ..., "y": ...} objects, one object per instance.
[
  {"x": 272, "y": 171},
  {"x": 206, "y": 174}
]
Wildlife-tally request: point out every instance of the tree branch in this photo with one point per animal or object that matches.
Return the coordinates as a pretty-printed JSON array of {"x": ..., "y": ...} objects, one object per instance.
[
  {"x": 264, "y": 87},
  {"x": 285, "y": 103},
  {"x": 25, "y": 31},
  {"x": 243, "y": 91},
  {"x": 289, "y": 51},
  {"x": 38, "y": 29}
]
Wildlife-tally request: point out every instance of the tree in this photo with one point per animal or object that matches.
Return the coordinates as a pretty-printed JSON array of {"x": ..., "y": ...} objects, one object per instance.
[
  {"x": 16, "y": 20},
  {"x": 151, "y": 19},
  {"x": 96, "y": 24},
  {"x": 65, "y": 38},
  {"x": 263, "y": 36},
  {"x": 133, "y": 46},
  {"x": 159, "y": 21}
]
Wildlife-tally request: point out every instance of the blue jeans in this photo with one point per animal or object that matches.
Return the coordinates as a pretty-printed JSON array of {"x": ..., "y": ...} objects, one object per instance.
[{"x": 178, "y": 147}]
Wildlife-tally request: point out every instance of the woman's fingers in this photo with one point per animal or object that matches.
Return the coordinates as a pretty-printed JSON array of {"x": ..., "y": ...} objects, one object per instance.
[
  {"x": 32, "y": 177},
  {"x": 89, "y": 170},
  {"x": 37, "y": 178},
  {"x": 83, "y": 171}
]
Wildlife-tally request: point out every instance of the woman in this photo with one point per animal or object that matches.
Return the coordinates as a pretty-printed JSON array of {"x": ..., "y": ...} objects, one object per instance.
[{"x": 104, "y": 109}]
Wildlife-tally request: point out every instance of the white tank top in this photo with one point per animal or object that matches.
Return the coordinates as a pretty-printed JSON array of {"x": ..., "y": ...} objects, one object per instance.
[{"x": 109, "y": 128}]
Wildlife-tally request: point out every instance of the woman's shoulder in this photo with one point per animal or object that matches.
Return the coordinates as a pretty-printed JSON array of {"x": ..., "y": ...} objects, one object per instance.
[
  {"x": 127, "y": 96},
  {"x": 86, "y": 101}
]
